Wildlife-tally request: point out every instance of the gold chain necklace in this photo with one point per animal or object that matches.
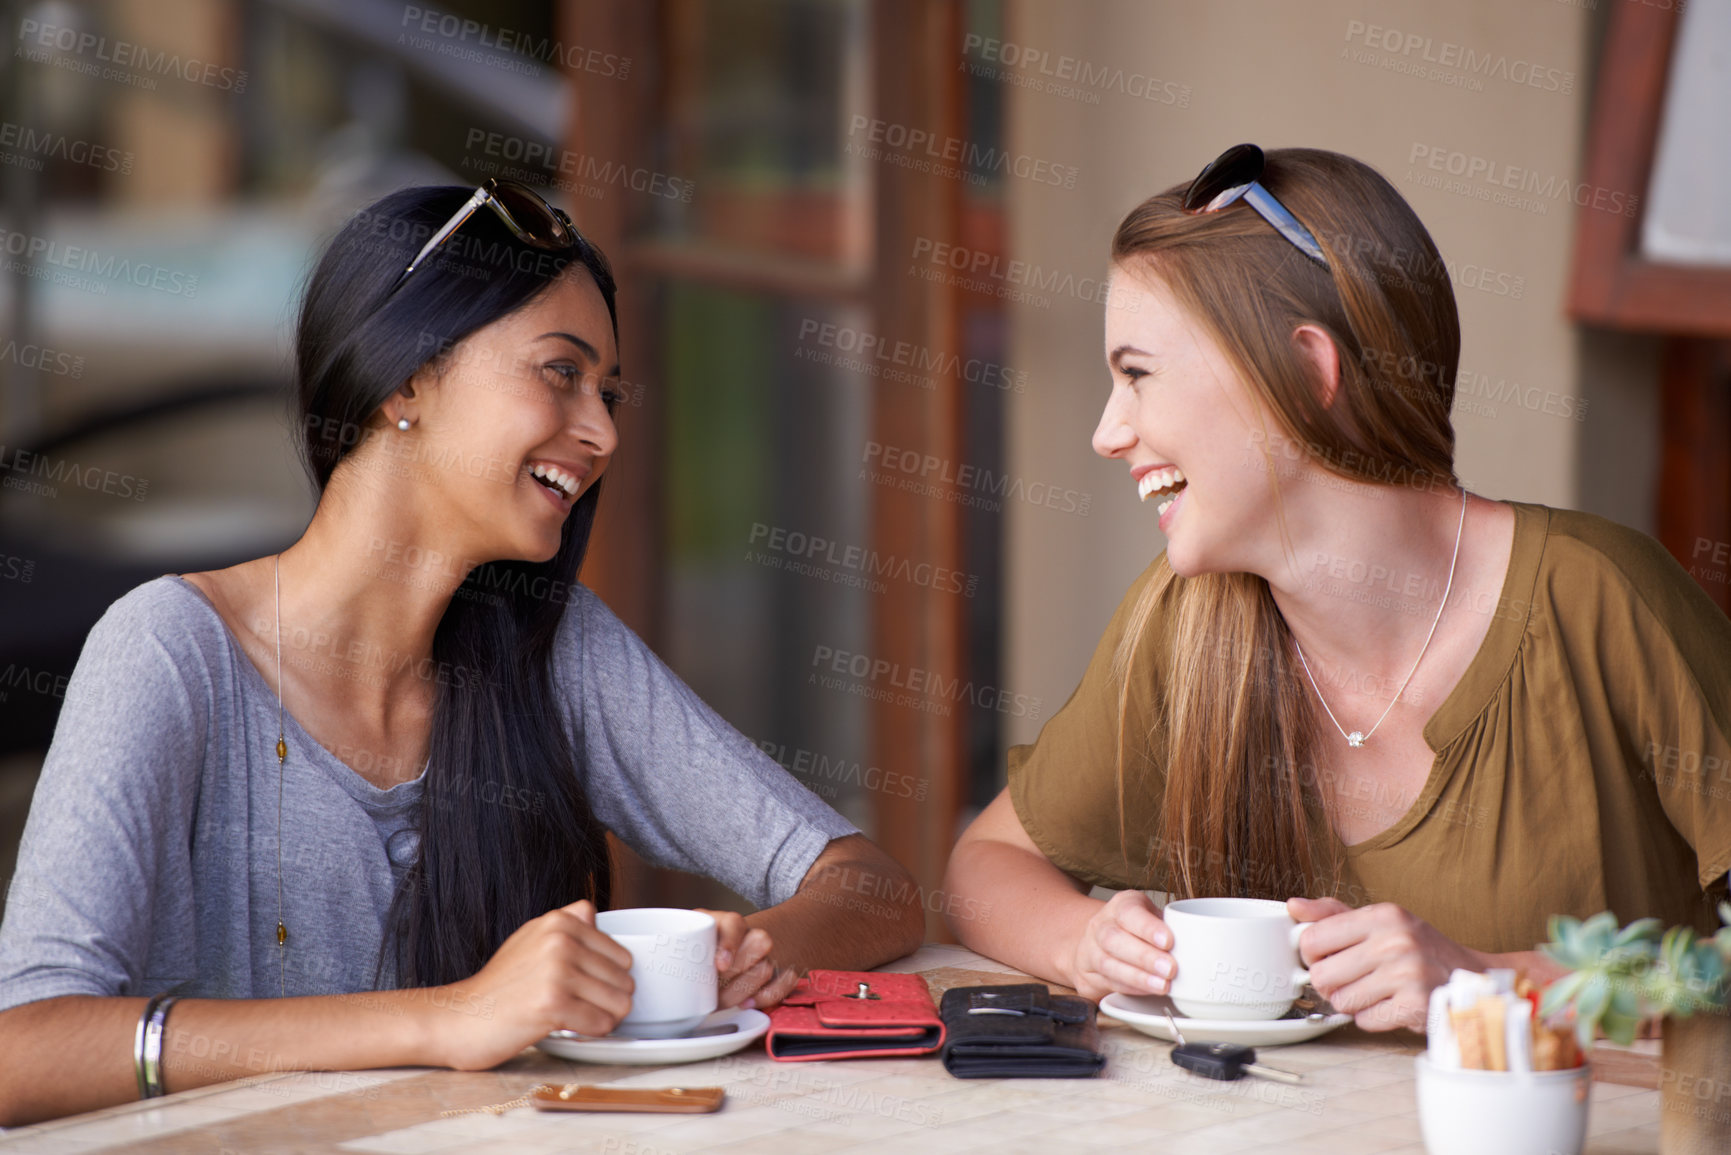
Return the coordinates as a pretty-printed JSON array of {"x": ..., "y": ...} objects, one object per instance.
[{"x": 281, "y": 757}]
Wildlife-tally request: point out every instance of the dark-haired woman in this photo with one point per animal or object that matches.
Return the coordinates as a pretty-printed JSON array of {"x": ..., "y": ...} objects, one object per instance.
[
  {"x": 1346, "y": 678},
  {"x": 374, "y": 773}
]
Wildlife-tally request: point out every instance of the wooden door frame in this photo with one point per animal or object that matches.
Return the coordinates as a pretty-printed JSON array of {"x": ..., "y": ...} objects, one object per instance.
[
  {"x": 1612, "y": 283},
  {"x": 1615, "y": 286},
  {"x": 916, "y": 84}
]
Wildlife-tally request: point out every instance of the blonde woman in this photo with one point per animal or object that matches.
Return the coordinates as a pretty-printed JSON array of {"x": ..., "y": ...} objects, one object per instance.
[{"x": 1428, "y": 719}]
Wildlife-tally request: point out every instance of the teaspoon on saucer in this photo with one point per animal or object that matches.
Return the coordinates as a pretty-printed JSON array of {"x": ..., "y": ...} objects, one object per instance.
[{"x": 1313, "y": 1006}]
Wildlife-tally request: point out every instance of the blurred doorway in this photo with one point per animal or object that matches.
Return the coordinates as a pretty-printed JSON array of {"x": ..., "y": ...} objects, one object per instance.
[{"x": 763, "y": 528}]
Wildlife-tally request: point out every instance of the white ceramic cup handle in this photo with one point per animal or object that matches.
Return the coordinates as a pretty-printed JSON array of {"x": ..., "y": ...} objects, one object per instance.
[{"x": 1300, "y": 976}]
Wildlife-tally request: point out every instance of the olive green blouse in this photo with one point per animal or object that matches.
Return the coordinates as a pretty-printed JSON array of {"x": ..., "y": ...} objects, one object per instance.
[{"x": 1582, "y": 761}]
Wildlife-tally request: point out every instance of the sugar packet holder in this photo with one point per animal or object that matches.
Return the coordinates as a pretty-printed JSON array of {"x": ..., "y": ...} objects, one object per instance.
[
  {"x": 1481, "y": 1022},
  {"x": 854, "y": 1015},
  {"x": 1020, "y": 1030}
]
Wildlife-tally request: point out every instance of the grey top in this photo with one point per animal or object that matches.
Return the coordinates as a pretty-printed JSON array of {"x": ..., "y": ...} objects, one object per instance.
[{"x": 149, "y": 858}]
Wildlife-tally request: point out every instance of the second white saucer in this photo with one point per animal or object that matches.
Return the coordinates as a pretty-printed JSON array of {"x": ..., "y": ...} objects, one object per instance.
[
  {"x": 655, "y": 1052},
  {"x": 1147, "y": 1013}
]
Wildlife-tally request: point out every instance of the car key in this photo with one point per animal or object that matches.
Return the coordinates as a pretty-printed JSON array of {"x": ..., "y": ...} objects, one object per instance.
[
  {"x": 1222, "y": 1060},
  {"x": 1226, "y": 1061}
]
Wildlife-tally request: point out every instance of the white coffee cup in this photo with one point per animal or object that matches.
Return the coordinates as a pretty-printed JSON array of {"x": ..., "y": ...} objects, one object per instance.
[
  {"x": 1237, "y": 958},
  {"x": 1502, "y": 1112},
  {"x": 672, "y": 963}
]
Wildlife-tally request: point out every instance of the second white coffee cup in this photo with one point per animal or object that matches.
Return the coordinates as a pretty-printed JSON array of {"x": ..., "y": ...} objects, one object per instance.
[
  {"x": 672, "y": 965},
  {"x": 1237, "y": 958}
]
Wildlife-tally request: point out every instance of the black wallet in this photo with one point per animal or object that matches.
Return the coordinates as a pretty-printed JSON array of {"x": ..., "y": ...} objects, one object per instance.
[{"x": 1020, "y": 1031}]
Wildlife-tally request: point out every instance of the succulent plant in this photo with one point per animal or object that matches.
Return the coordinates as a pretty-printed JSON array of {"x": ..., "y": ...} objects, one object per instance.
[{"x": 1622, "y": 976}]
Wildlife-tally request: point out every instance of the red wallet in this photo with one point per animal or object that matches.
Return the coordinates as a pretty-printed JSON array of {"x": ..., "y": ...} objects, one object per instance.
[{"x": 855, "y": 1015}]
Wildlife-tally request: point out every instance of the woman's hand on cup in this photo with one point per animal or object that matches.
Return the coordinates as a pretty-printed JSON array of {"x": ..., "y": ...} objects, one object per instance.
[
  {"x": 555, "y": 972},
  {"x": 1377, "y": 963},
  {"x": 746, "y": 974},
  {"x": 1124, "y": 948}
]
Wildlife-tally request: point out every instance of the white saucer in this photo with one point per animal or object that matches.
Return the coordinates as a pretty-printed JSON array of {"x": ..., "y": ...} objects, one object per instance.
[
  {"x": 654, "y": 1052},
  {"x": 1147, "y": 1013}
]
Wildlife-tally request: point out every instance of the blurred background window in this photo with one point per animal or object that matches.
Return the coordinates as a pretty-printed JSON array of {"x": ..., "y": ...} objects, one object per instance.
[{"x": 172, "y": 168}]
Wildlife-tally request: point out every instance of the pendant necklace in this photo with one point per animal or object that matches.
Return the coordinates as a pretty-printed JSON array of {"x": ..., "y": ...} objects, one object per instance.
[{"x": 1357, "y": 739}]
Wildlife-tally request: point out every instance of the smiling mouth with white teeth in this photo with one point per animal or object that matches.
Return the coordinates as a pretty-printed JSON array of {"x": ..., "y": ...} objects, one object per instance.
[
  {"x": 1166, "y": 482},
  {"x": 555, "y": 479}
]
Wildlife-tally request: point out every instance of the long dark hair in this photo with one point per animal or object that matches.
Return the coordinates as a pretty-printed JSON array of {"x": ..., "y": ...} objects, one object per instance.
[{"x": 506, "y": 832}]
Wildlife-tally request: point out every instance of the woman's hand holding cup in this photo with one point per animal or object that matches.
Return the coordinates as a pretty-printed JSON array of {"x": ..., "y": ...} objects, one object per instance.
[
  {"x": 1123, "y": 949},
  {"x": 555, "y": 972},
  {"x": 1378, "y": 963},
  {"x": 748, "y": 975}
]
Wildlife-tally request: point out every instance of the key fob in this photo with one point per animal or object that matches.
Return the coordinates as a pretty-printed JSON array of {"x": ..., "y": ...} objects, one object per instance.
[{"x": 1214, "y": 1060}]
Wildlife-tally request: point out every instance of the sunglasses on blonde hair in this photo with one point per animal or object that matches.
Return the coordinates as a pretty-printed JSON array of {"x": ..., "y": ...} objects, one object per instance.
[{"x": 1235, "y": 175}]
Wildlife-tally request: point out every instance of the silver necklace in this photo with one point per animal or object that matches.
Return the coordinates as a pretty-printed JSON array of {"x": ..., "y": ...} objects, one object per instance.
[
  {"x": 281, "y": 757},
  {"x": 1356, "y": 739}
]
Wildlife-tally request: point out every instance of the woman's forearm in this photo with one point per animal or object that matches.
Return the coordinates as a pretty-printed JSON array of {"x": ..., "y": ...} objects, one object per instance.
[
  {"x": 72, "y": 1054},
  {"x": 1027, "y": 912},
  {"x": 856, "y": 909}
]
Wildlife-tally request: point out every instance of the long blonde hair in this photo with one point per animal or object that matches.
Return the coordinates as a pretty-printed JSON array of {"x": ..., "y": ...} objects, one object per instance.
[{"x": 1242, "y": 814}]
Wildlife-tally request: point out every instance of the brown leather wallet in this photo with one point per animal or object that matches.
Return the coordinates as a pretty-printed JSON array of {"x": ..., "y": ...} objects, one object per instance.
[{"x": 653, "y": 1100}]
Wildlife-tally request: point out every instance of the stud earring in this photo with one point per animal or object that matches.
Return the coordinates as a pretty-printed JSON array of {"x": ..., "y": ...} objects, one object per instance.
[{"x": 403, "y": 424}]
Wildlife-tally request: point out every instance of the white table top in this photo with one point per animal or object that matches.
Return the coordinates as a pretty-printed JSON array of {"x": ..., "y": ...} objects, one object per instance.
[{"x": 1357, "y": 1100}]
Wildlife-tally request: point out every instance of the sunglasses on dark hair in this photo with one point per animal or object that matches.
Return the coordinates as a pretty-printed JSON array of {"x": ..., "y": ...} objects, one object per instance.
[
  {"x": 1233, "y": 176},
  {"x": 523, "y": 210}
]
